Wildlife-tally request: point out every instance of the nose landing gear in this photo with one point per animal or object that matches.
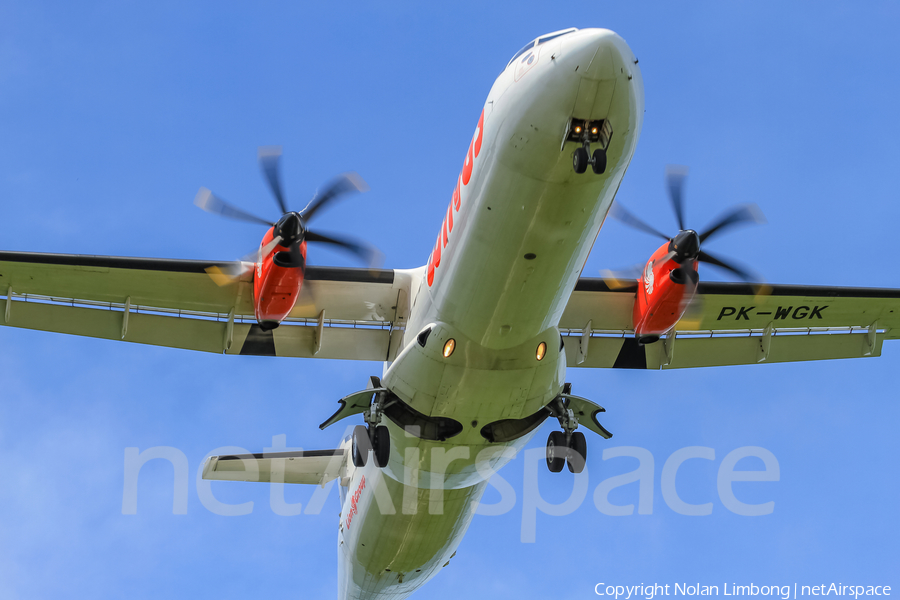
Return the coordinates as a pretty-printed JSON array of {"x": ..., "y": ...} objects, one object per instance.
[
  {"x": 585, "y": 133},
  {"x": 583, "y": 157},
  {"x": 598, "y": 161},
  {"x": 580, "y": 158}
]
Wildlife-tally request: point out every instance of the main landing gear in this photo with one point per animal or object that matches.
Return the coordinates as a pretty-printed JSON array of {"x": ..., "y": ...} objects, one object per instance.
[
  {"x": 562, "y": 451},
  {"x": 568, "y": 447},
  {"x": 373, "y": 436}
]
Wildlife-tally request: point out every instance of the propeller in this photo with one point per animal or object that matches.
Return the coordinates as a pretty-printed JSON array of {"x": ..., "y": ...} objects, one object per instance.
[
  {"x": 623, "y": 277},
  {"x": 685, "y": 245},
  {"x": 291, "y": 230}
]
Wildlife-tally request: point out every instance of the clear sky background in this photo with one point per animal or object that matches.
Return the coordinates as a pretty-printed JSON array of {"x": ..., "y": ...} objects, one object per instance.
[{"x": 113, "y": 114}]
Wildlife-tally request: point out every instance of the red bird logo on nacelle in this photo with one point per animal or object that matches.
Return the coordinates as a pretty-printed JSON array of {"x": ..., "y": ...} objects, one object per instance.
[{"x": 280, "y": 261}]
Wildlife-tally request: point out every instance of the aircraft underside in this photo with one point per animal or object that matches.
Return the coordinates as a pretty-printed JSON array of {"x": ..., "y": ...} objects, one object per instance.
[
  {"x": 475, "y": 344},
  {"x": 482, "y": 348}
]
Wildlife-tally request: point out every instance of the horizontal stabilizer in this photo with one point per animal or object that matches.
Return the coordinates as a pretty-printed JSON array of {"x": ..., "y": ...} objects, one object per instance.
[{"x": 313, "y": 467}]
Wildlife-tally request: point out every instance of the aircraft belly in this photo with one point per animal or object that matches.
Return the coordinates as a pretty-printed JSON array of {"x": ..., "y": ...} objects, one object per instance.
[
  {"x": 491, "y": 291},
  {"x": 400, "y": 537}
]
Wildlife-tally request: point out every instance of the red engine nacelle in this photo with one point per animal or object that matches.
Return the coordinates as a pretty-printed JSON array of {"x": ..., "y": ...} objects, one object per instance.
[
  {"x": 664, "y": 291},
  {"x": 276, "y": 287}
]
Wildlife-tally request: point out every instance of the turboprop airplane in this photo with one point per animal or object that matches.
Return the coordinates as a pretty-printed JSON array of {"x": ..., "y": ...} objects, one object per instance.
[{"x": 476, "y": 343}]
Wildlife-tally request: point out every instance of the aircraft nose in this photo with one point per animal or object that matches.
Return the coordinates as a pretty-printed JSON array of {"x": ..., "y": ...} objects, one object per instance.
[{"x": 596, "y": 54}]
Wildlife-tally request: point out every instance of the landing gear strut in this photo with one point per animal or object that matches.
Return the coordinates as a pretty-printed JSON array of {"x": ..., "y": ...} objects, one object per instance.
[{"x": 372, "y": 436}]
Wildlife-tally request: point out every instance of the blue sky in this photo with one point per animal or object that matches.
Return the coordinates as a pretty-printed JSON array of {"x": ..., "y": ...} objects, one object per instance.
[{"x": 113, "y": 114}]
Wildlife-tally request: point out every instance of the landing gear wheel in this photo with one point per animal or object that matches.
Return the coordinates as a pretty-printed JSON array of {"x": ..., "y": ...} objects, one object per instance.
[
  {"x": 556, "y": 451},
  {"x": 381, "y": 446},
  {"x": 580, "y": 160},
  {"x": 577, "y": 452},
  {"x": 361, "y": 446},
  {"x": 598, "y": 161}
]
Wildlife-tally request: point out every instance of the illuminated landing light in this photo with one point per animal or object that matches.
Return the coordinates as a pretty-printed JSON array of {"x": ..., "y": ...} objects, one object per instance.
[
  {"x": 541, "y": 351},
  {"x": 594, "y": 131},
  {"x": 449, "y": 347},
  {"x": 577, "y": 129}
]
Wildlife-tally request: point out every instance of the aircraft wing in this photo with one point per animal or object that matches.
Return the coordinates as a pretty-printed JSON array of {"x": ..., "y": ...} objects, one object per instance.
[
  {"x": 342, "y": 313},
  {"x": 731, "y": 324}
]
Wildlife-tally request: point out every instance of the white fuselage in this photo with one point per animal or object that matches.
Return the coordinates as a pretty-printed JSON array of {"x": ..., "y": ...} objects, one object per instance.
[{"x": 521, "y": 233}]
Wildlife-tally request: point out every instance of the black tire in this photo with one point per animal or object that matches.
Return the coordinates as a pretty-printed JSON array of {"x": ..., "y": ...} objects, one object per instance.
[
  {"x": 381, "y": 446},
  {"x": 361, "y": 446},
  {"x": 556, "y": 451},
  {"x": 580, "y": 160},
  {"x": 577, "y": 455},
  {"x": 598, "y": 162}
]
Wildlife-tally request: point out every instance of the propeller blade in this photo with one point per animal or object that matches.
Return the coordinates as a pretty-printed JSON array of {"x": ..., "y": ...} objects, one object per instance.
[
  {"x": 745, "y": 213},
  {"x": 371, "y": 256},
  {"x": 228, "y": 273},
  {"x": 347, "y": 182},
  {"x": 211, "y": 203},
  {"x": 269, "y": 157},
  {"x": 297, "y": 258},
  {"x": 620, "y": 214},
  {"x": 710, "y": 259},
  {"x": 666, "y": 257},
  {"x": 306, "y": 303},
  {"x": 263, "y": 252},
  {"x": 624, "y": 277},
  {"x": 693, "y": 314},
  {"x": 675, "y": 175}
]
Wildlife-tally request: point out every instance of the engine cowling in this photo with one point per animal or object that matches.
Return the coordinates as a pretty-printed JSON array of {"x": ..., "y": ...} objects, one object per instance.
[
  {"x": 276, "y": 283},
  {"x": 665, "y": 290}
]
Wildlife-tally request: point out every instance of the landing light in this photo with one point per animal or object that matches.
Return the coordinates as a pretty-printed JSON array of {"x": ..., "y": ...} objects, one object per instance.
[
  {"x": 578, "y": 130},
  {"x": 449, "y": 347},
  {"x": 541, "y": 351},
  {"x": 594, "y": 131}
]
